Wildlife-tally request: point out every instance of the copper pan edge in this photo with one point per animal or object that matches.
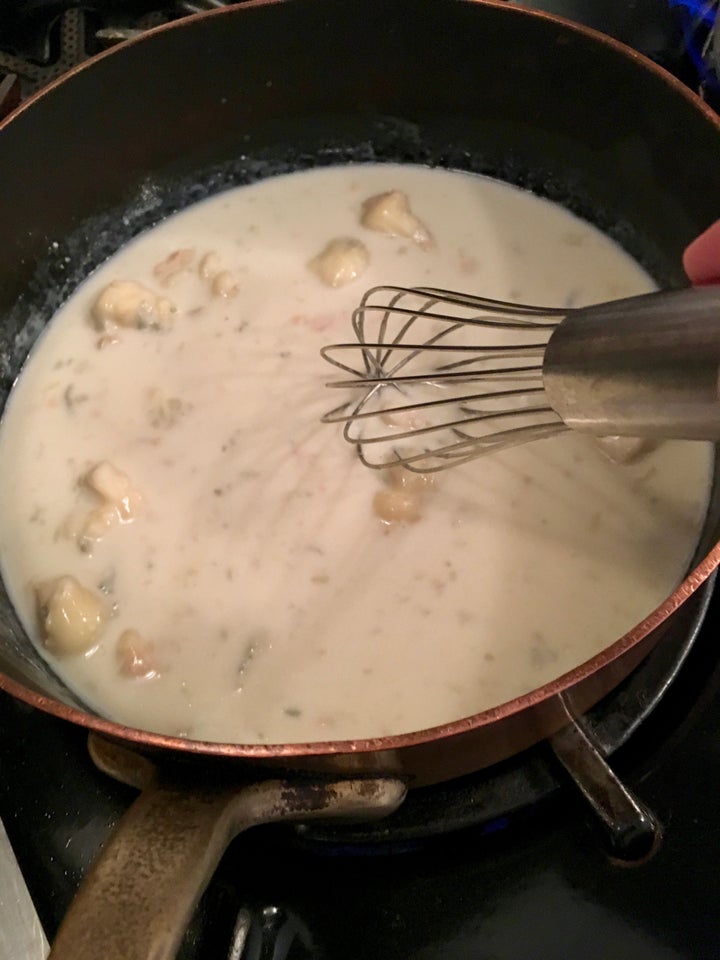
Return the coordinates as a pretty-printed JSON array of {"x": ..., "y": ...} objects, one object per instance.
[
  {"x": 186, "y": 22},
  {"x": 424, "y": 756}
]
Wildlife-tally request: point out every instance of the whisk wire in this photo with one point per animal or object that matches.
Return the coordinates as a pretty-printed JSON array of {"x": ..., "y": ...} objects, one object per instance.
[
  {"x": 417, "y": 350},
  {"x": 533, "y": 351}
]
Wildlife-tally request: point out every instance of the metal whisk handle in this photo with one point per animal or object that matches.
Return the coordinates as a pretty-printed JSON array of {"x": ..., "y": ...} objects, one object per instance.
[{"x": 646, "y": 366}]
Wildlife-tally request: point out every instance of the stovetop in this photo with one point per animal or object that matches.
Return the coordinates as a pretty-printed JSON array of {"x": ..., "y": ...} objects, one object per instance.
[
  {"x": 538, "y": 884},
  {"x": 41, "y": 39},
  {"x": 522, "y": 880}
]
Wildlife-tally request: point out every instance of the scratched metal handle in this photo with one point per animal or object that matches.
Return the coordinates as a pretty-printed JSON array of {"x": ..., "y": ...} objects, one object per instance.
[{"x": 137, "y": 900}]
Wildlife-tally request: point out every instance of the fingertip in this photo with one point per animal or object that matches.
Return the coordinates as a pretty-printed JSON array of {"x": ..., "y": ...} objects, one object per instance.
[{"x": 701, "y": 259}]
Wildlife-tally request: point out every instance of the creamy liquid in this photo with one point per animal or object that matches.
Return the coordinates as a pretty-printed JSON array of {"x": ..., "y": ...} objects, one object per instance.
[{"x": 276, "y": 604}]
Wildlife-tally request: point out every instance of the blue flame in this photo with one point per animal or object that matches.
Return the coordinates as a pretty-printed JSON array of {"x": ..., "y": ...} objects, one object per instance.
[{"x": 696, "y": 19}]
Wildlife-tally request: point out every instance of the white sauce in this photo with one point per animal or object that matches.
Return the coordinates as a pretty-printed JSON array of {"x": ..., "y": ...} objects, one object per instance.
[{"x": 278, "y": 605}]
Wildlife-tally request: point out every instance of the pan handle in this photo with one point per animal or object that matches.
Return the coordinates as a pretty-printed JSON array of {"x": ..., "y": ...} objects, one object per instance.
[{"x": 140, "y": 894}]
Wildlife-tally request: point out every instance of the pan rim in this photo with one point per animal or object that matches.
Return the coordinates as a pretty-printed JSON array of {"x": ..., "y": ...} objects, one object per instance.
[{"x": 556, "y": 688}]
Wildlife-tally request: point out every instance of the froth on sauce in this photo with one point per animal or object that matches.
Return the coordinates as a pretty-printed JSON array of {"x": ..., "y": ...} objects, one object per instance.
[{"x": 251, "y": 591}]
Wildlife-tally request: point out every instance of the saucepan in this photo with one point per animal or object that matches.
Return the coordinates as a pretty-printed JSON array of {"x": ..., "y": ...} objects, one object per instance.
[{"x": 239, "y": 94}]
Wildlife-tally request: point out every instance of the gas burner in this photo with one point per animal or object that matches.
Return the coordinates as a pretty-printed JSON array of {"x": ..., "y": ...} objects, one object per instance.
[
  {"x": 10, "y": 93},
  {"x": 40, "y": 56},
  {"x": 42, "y": 39}
]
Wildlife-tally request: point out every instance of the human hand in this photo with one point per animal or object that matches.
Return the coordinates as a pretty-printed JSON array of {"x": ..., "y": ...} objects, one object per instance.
[{"x": 701, "y": 259}]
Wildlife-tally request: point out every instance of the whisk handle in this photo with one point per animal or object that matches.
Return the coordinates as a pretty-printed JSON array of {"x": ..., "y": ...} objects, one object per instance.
[{"x": 645, "y": 366}]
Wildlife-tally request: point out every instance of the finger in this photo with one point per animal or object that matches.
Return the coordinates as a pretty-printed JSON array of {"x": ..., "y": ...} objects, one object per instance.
[{"x": 701, "y": 259}]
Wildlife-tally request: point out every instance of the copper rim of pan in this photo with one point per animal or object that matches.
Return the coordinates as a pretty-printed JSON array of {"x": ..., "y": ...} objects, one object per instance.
[{"x": 562, "y": 684}]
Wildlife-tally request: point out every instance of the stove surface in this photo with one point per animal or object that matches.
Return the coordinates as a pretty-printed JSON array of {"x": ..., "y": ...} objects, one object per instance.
[
  {"x": 534, "y": 882},
  {"x": 537, "y": 884}
]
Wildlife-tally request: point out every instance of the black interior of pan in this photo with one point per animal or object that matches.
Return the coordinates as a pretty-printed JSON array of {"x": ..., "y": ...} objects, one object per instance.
[{"x": 272, "y": 87}]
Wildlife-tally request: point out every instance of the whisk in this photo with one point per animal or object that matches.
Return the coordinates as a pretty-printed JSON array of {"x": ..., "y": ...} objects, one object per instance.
[{"x": 439, "y": 378}]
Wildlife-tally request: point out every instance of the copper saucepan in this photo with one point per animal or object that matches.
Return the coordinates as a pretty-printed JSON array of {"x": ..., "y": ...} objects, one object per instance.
[{"x": 230, "y": 96}]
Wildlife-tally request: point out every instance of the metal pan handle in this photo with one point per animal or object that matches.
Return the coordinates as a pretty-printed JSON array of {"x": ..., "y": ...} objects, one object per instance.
[{"x": 140, "y": 894}]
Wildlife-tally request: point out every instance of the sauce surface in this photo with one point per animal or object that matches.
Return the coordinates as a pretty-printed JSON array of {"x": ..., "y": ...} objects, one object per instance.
[{"x": 251, "y": 591}]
